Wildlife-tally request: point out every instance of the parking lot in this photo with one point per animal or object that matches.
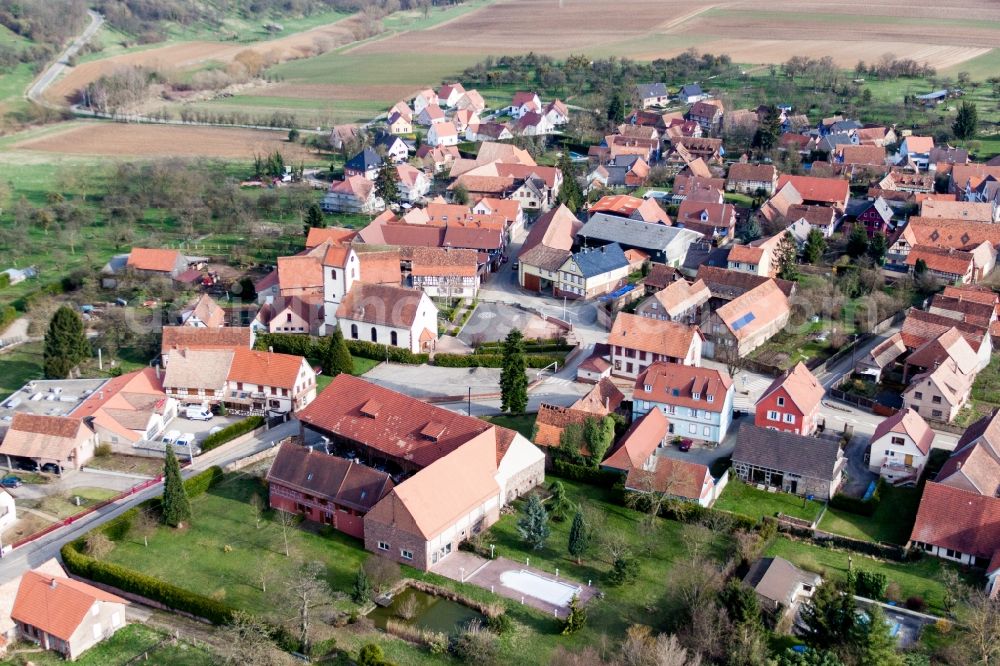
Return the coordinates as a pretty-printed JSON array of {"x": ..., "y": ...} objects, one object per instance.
[{"x": 493, "y": 321}]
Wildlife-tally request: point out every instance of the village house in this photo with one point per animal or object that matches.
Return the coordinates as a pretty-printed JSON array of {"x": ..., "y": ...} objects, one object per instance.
[
  {"x": 524, "y": 102},
  {"x": 243, "y": 380},
  {"x": 65, "y": 441},
  {"x": 652, "y": 94},
  {"x": 431, "y": 115},
  {"x": 365, "y": 164},
  {"x": 687, "y": 185},
  {"x": 791, "y": 403},
  {"x": 916, "y": 150},
  {"x": 399, "y": 124},
  {"x": 355, "y": 194},
  {"x": 881, "y": 357},
  {"x": 751, "y": 178},
  {"x": 65, "y": 615},
  {"x": 463, "y": 118},
  {"x": 757, "y": 257},
  {"x": 204, "y": 313},
  {"x": 921, "y": 327},
  {"x": 713, "y": 220},
  {"x": 445, "y": 273},
  {"x": 155, "y": 262},
  {"x": 511, "y": 212},
  {"x": 394, "y": 148},
  {"x": 746, "y": 322},
  {"x": 680, "y": 301},
  {"x": 291, "y": 314},
  {"x": 819, "y": 191},
  {"x": 781, "y": 587},
  {"x": 546, "y": 248},
  {"x": 533, "y": 123},
  {"x": 960, "y": 235},
  {"x": 638, "y": 447},
  {"x": 624, "y": 205},
  {"x": 708, "y": 114},
  {"x": 423, "y": 99},
  {"x": 789, "y": 462},
  {"x": 442, "y": 134},
  {"x": 489, "y": 131},
  {"x": 900, "y": 446},
  {"x": 128, "y": 410},
  {"x": 663, "y": 244},
  {"x": 412, "y": 183},
  {"x": 388, "y": 315},
  {"x": 946, "y": 264},
  {"x": 949, "y": 347},
  {"x": 876, "y": 217},
  {"x": 471, "y": 101},
  {"x": 638, "y": 342},
  {"x": 698, "y": 402},
  {"x": 628, "y": 171},
  {"x": 174, "y": 338},
  {"x": 323, "y": 488},
  {"x": 457, "y": 471},
  {"x": 437, "y": 159},
  {"x": 988, "y": 212},
  {"x": 690, "y": 93},
  {"x": 450, "y": 93},
  {"x": 940, "y": 393},
  {"x": 592, "y": 272},
  {"x": 556, "y": 113}
]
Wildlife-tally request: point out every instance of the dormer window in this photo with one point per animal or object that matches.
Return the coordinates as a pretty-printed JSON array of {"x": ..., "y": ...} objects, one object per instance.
[
  {"x": 711, "y": 398},
  {"x": 647, "y": 388},
  {"x": 676, "y": 392},
  {"x": 696, "y": 395},
  {"x": 781, "y": 402}
]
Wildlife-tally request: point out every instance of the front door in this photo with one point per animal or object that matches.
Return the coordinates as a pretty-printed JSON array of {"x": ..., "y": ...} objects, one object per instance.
[{"x": 908, "y": 459}]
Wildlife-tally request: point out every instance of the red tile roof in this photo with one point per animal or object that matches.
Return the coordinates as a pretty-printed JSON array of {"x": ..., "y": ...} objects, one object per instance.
[
  {"x": 676, "y": 384},
  {"x": 320, "y": 235},
  {"x": 304, "y": 272},
  {"x": 652, "y": 335},
  {"x": 56, "y": 605},
  {"x": 826, "y": 190},
  {"x": 800, "y": 385},
  {"x": 391, "y": 423},
  {"x": 552, "y": 420},
  {"x": 436, "y": 261},
  {"x": 331, "y": 477},
  {"x": 679, "y": 478},
  {"x": 740, "y": 172},
  {"x": 941, "y": 260},
  {"x": 265, "y": 368},
  {"x": 958, "y": 519},
  {"x": 641, "y": 440},
  {"x": 149, "y": 259},
  {"x": 907, "y": 422},
  {"x": 190, "y": 337}
]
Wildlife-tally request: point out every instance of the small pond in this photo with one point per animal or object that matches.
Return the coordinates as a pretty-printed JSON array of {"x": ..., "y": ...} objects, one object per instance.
[{"x": 425, "y": 611}]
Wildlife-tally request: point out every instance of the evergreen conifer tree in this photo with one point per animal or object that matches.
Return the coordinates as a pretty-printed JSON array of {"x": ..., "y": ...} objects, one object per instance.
[
  {"x": 65, "y": 343},
  {"x": 175, "y": 506},
  {"x": 533, "y": 526},
  {"x": 513, "y": 380}
]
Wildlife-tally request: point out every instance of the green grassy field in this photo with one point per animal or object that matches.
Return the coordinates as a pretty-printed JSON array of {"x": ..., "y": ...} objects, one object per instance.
[
  {"x": 744, "y": 499},
  {"x": 920, "y": 578},
  {"x": 891, "y": 522},
  {"x": 18, "y": 366},
  {"x": 524, "y": 424},
  {"x": 982, "y": 68},
  {"x": 196, "y": 558},
  {"x": 131, "y": 642}
]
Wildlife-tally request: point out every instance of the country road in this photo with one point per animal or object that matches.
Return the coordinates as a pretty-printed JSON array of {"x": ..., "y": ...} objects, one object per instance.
[{"x": 37, "y": 89}]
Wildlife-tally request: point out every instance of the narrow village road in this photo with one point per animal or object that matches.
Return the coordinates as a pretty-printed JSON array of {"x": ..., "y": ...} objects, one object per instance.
[{"x": 37, "y": 89}]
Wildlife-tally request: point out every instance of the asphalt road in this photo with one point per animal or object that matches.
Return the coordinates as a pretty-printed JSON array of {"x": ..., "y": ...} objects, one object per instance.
[
  {"x": 31, "y": 555},
  {"x": 34, "y": 93}
]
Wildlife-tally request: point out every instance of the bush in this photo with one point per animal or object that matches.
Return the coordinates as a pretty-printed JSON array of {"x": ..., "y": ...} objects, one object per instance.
[
  {"x": 500, "y": 624},
  {"x": 624, "y": 570},
  {"x": 916, "y": 603},
  {"x": 134, "y": 582},
  {"x": 491, "y": 360},
  {"x": 102, "y": 450},
  {"x": 231, "y": 432},
  {"x": 871, "y": 584},
  {"x": 7, "y": 315},
  {"x": 202, "y": 481}
]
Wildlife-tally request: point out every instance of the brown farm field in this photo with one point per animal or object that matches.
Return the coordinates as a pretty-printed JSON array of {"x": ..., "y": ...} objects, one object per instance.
[
  {"x": 941, "y": 33},
  {"x": 122, "y": 140}
]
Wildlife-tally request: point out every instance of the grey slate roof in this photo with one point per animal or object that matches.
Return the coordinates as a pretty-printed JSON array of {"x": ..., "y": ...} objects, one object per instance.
[
  {"x": 365, "y": 160},
  {"x": 776, "y": 579},
  {"x": 633, "y": 233},
  {"x": 387, "y": 141},
  {"x": 786, "y": 452},
  {"x": 597, "y": 261},
  {"x": 690, "y": 90},
  {"x": 830, "y": 142},
  {"x": 845, "y": 126},
  {"x": 651, "y": 90}
]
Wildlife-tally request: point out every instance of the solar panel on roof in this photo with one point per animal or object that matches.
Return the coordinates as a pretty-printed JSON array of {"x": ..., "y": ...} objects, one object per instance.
[{"x": 743, "y": 321}]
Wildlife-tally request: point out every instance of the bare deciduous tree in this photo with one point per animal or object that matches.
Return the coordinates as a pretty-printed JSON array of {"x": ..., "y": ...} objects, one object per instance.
[
  {"x": 982, "y": 627},
  {"x": 98, "y": 545},
  {"x": 382, "y": 573},
  {"x": 307, "y": 591},
  {"x": 258, "y": 507},
  {"x": 249, "y": 642},
  {"x": 286, "y": 520},
  {"x": 145, "y": 525}
]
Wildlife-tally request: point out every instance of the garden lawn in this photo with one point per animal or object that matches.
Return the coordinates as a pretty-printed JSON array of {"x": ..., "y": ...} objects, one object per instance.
[
  {"x": 62, "y": 506},
  {"x": 19, "y": 366},
  {"x": 129, "y": 643},
  {"x": 739, "y": 497},
  {"x": 920, "y": 578},
  {"x": 892, "y": 521},
  {"x": 524, "y": 424}
]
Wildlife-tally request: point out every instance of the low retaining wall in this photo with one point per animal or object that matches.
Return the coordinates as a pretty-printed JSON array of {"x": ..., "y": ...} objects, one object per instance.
[{"x": 243, "y": 463}]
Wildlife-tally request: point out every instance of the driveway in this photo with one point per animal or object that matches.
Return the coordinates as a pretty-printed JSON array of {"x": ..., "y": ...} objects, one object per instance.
[{"x": 493, "y": 321}]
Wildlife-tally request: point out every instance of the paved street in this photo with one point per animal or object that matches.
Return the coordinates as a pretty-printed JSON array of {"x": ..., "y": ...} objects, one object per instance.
[{"x": 33, "y": 554}]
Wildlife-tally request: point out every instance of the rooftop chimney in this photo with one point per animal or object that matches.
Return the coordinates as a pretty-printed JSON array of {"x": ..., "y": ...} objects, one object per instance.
[{"x": 52, "y": 583}]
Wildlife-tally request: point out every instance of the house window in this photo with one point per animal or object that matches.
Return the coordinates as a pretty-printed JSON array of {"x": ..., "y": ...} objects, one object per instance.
[
  {"x": 374, "y": 335},
  {"x": 288, "y": 317},
  {"x": 707, "y": 431},
  {"x": 354, "y": 331},
  {"x": 918, "y": 395},
  {"x": 97, "y": 629},
  {"x": 936, "y": 413},
  {"x": 382, "y": 545},
  {"x": 647, "y": 388},
  {"x": 936, "y": 400},
  {"x": 781, "y": 402},
  {"x": 696, "y": 396},
  {"x": 333, "y": 273},
  {"x": 789, "y": 418},
  {"x": 899, "y": 441},
  {"x": 954, "y": 554},
  {"x": 692, "y": 429},
  {"x": 711, "y": 398},
  {"x": 406, "y": 554},
  {"x": 773, "y": 415},
  {"x": 393, "y": 339}
]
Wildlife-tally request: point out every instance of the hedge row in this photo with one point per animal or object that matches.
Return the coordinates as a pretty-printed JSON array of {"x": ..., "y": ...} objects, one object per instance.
[
  {"x": 491, "y": 360},
  {"x": 231, "y": 432},
  {"x": 377, "y": 352},
  {"x": 288, "y": 343},
  {"x": 843, "y": 502},
  {"x": 7, "y": 315},
  {"x": 688, "y": 512},
  {"x": 534, "y": 347},
  {"x": 597, "y": 477},
  {"x": 134, "y": 582},
  {"x": 883, "y": 550}
]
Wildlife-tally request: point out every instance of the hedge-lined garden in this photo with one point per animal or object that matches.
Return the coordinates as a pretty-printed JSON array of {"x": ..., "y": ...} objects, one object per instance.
[{"x": 232, "y": 431}]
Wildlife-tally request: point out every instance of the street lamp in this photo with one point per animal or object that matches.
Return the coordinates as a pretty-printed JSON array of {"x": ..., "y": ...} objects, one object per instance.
[{"x": 492, "y": 546}]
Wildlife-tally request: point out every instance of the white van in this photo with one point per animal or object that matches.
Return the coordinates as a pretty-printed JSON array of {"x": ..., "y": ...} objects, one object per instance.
[{"x": 196, "y": 413}]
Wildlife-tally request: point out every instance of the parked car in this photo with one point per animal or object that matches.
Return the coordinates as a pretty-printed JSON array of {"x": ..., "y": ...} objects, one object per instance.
[
  {"x": 214, "y": 430},
  {"x": 10, "y": 481},
  {"x": 198, "y": 413},
  {"x": 26, "y": 465},
  {"x": 52, "y": 468},
  {"x": 685, "y": 445},
  {"x": 186, "y": 441},
  {"x": 171, "y": 437}
]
